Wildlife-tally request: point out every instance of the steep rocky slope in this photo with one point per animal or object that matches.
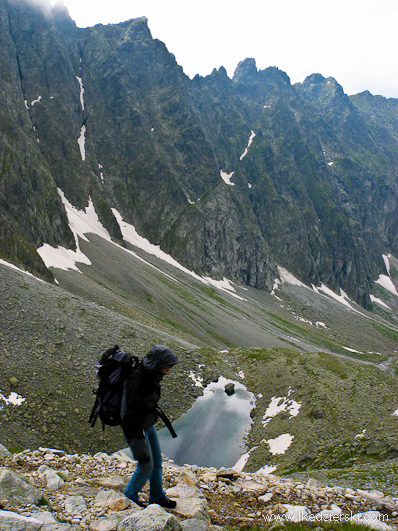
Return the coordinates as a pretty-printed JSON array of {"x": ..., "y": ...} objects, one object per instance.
[{"x": 231, "y": 177}]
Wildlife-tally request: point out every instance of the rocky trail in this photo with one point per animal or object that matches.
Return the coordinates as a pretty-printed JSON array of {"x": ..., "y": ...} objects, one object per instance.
[{"x": 49, "y": 490}]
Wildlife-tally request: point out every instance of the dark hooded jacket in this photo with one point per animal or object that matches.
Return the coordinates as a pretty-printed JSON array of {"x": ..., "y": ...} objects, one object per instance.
[{"x": 141, "y": 396}]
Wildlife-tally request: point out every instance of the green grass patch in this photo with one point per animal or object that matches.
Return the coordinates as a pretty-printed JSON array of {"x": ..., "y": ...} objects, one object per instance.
[
  {"x": 266, "y": 354},
  {"x": 386, "y": 331},
  {"x": 332, "y": 363}
]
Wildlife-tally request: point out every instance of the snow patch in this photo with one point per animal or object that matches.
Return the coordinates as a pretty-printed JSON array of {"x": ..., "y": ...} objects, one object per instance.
[
  {"x": 351, "y": 350},
  {"x": 280, "y": 444},
  {"x": 226, "y": 177},
  {"x": 265, "y": 470},
  {"x": 249, "y": 185},
  {"x": 26, "y": 104},
  {"x": 12, "y": 266},
  {"x": 81, "y": 222},
  {"x": 387, "y": 284},
  {"x": 243, "y": 459},
  {"x": 288, "y": 278},
  {"x": 36, "y": 101},
  {"x": 14, "y": 400},
  {"x": 302, "y": 319},
  {"x": 100, "y": 167},
  {"x": 342, "y": 298},
  {"x": 86, "y": 221},
  {"x": 360, "y": 434},
  {"x": 81, "y": 91},
  {"x": 252, "y": 135},
  {"x": 379, "y": 302},
  {"x": 198, "y": 380},
  {"x": 82, "y": 142},
  {"x": 330, "y": 163},
  {"x": 239, "y": 465},
  {"x": 279, "y": 404},
  {"x": 130, "y": 235}
]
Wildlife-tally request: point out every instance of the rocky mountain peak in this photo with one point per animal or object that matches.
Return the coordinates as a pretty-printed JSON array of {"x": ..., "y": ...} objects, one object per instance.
[{"x": 245, "y": 71}]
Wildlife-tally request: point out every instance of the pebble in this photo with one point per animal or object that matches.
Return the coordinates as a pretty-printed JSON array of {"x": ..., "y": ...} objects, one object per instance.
[{"x": 270, "y": 493}]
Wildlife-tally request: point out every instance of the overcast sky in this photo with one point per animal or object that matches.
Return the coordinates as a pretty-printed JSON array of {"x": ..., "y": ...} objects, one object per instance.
[{"x": 354, "y": 41}]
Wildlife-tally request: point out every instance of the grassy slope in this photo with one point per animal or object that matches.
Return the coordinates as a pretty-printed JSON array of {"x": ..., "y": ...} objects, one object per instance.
[{"x": 50, "y": 337}]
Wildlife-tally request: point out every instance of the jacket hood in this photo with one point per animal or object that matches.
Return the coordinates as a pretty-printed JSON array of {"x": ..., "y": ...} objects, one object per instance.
[{"x": 159, "y": 358}]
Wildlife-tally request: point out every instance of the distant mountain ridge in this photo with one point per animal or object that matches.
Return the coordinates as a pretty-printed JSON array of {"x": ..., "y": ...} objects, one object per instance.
[{"x": 232, "y": 177}]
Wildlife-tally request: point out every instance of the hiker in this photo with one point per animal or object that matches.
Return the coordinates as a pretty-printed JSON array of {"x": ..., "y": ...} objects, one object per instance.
[{"x": 138, "y": 417}]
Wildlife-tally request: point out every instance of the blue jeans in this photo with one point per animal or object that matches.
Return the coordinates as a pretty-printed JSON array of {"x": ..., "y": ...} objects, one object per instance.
[{"x": 151, "y": 470}]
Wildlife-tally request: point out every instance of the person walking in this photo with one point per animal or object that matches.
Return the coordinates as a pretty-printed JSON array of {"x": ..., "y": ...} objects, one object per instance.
[{"x": 139, "y": 412}]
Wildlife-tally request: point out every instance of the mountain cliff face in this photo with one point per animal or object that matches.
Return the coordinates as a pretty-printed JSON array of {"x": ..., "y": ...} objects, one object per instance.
[{"x": 230, "y": 176}]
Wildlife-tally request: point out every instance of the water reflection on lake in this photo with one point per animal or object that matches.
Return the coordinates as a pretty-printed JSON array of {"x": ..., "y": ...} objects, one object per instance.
[{"x": 212, "y": 432}]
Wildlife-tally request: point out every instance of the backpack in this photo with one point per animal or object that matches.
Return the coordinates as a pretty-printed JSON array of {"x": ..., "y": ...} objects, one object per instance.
[{"x": 112, "y": 369}]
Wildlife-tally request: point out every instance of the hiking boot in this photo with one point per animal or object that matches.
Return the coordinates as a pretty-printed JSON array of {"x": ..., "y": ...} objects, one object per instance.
[
  {"x": 139, "y": 503},
  {"x": 166, "y": 503}
]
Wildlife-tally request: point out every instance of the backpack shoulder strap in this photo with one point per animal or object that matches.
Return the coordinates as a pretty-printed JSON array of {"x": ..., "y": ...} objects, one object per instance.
[{"x": 166, "y": 420}]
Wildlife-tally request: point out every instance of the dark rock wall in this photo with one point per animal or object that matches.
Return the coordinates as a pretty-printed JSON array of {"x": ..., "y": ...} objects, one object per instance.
[{"x": 316, "y": 191}]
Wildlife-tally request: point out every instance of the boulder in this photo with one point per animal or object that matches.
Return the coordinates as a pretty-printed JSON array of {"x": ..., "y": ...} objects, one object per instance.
[
  {"x": 110, "y": 482},
  {"x": 152, "y": 518},
  {"x": 296, "y": 513},
  {"x": 15, "y": 488},
  {"x": 229, "y": 473},
  {"x": 75, "y": 505},
  {"x": 4, "y": 452},
  {"x": 112, "y": 499},
  {"x": 53, "y": 480},
  {"x": 193, "y": 524},
  {"x": 10, "y": 521},
  {"x": 191, "y": 502},
  {"x": 187, "y": 477},
  {"x": 229, "y": 388},
  {"x": 110, "y": 523}
]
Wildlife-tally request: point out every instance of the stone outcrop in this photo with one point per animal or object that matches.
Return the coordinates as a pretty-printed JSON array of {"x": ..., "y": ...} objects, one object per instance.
[{"x": 207, "y": 499}]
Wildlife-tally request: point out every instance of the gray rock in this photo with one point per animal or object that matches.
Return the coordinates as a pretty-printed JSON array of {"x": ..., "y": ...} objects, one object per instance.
[
  {"x": 56, "y": 527},
  {"x": 75, "y": 505},
  {"x": 4, "y": 452},
  {"x": 229, "y": 473},
  {"x": 229, "y": 388},
  {"x": 15, "y": 488},
  {"x": 266, "y": 498},
  {"x": 112, "y": 499},
  {"x": 193, "y": 508},
  {"x": 110, "y": 523},
  {"x": 184, "y": 491},
  {"x": 153, "y": 518},
  {"x": 10, "y": 521},
  {"x": 54, "y": 481},
  {"x": 45, "y": 517},
  {"x": 110, "y": 482},
  {"x": 191, "y": 502},
  {"x": 193, "y": 524},
  {"x": 187, "y": 477}
]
